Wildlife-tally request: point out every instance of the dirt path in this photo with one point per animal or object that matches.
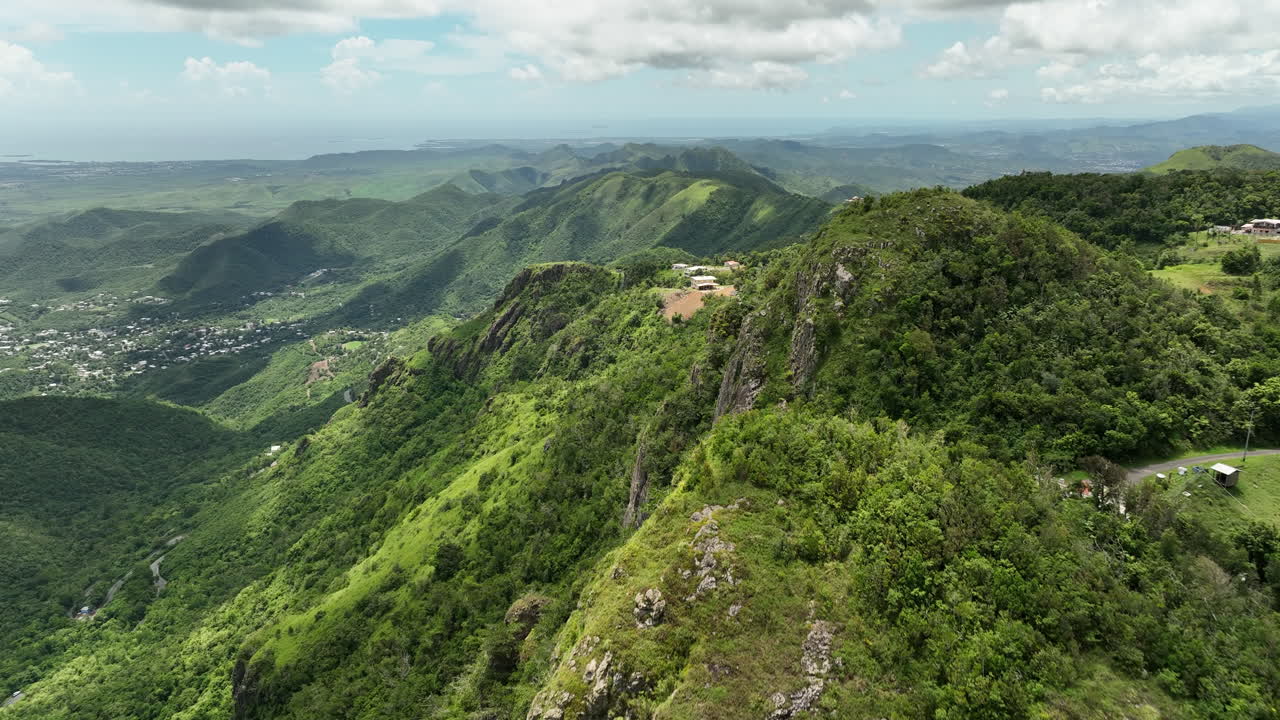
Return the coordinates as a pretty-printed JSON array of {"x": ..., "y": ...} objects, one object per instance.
[{"x": 1137, "y": 474}]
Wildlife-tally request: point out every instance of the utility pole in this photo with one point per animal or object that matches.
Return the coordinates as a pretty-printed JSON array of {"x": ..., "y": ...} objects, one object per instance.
[{"x": 1248, "y": 435}]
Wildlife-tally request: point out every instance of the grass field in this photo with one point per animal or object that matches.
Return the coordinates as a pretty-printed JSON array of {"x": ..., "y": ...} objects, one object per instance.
[{"x": 1256, "y": 497}]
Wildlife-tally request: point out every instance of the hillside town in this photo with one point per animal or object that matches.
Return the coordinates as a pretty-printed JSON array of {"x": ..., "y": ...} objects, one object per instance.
[{"x": 63, "y": 360}]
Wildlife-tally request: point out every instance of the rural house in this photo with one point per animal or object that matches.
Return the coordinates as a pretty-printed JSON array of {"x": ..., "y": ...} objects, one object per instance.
[
  {"x": 1266, "y": 227},
  {"x": 703, "y": 282}
]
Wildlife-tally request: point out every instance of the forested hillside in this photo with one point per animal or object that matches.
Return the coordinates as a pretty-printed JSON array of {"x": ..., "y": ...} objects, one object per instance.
[
  {"x": 835, "y": 493},
  {"x": 598, "y": 218},
  {"x": 104, "y": 249},
  {"x": 87, "y": 488},
  {"x": 1110, "y": 210}
]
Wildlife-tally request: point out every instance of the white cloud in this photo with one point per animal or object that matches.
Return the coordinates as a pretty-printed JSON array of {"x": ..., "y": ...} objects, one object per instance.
[
  {"x": 346, "y": 76},
  {"x": 960, "y": 60},
  {"x": 37, "y": 33},
  {"x": 230, "y": 80},
  {"x": 23, "y": 76},
  {"x": 1056, "y": 70},
  {"x": 847, "y": 95},
  {"x": 1156, "y": 48},
  {"x": 721, "y": 40},
  {"x": 526, "y": 73},
  {"x": 997, "y": 97},
  {"x": 391, "y": 54},
  {"x": 468, "y": 55},
  {"x": 1186, "y": 76},
  {"x": 761, "y": 75}
]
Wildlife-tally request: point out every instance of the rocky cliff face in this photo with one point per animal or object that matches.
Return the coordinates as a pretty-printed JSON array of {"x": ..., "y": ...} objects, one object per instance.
[
  {"x": 745, "y": 373},
  {"x": 535, "y": 305}
]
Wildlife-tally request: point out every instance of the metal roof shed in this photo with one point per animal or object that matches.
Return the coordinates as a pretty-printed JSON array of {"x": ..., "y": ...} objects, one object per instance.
[{"x": 1225, "y": 475}]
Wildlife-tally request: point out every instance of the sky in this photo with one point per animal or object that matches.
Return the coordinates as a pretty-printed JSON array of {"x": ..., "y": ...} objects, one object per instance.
[{"x": 85, "y": 78}]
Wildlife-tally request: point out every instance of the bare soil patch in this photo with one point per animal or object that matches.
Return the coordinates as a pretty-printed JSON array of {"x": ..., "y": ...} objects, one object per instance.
[{"x": 687, "y": 302}]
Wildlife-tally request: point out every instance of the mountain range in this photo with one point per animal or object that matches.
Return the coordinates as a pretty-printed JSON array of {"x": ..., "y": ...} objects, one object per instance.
[{"x": 447, "y": 455}]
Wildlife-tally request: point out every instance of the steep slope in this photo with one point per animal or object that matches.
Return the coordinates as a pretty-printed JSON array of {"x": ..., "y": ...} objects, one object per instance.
[
  {"x": 460, "y": 543},
  {"x": 1217, "y": 157},
  {"x": 87, "y": 487}
]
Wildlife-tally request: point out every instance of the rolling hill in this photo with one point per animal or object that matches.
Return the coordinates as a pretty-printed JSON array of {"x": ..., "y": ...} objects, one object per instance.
[
  {"x": 363, "y": 235},
  {"x": 105, "y": 248},
  {"x": 598, "y": 218},
  {"x": 1217, "y": 157},
  {"x": 450, "y": 251}
]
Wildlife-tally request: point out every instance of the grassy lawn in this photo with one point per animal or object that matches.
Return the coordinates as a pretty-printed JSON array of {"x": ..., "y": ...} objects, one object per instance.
[
  {"x": 1257, "y": 497},
  {"x": 1202, "y": 269},
  {"x": 1203, "y": 277}
]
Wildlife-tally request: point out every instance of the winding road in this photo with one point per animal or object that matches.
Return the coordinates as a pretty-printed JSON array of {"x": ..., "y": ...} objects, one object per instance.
[{"x": 1137, "y": 474}]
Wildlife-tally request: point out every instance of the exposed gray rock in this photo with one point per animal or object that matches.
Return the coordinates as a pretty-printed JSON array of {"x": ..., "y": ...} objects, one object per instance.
[
  {"x": 803, "y": 358},
  {"x": 816, "y": 659},
  {"x": 708, "y": 544},
  {"x": 744, "y": 375},
  {"x": 548, "y": 707},
  {"x": 650, "y": 608},
  {"x": 639, "y": 492},
  {"x": 806, "y": 698}
]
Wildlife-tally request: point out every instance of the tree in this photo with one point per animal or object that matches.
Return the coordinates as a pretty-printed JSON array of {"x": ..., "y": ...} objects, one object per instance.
[
  {"x": 1107, "y": 477},
  {"x": 449, "y": 559},
  {"x": 1242, "y": 261},
  {"x": 1260, "y": 541}
]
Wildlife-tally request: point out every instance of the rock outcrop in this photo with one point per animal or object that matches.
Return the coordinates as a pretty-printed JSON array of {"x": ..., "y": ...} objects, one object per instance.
[
  {"x": 650, "y": 608},
  {"x": 815, "y": 661},
  {"x": 745, "y": 373}
]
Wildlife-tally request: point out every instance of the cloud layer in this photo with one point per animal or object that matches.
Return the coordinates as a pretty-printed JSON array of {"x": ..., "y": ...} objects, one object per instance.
[
  {"x": 1081, "y": 51},
  {"x": 22, "y": 76}
]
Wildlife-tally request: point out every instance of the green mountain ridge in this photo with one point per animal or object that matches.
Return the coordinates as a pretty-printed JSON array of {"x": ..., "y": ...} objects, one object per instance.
[
  {"x": 105, "y": 248},
  {"x": 843, "y": 479},
  {"x": 1214, "y": 157}
]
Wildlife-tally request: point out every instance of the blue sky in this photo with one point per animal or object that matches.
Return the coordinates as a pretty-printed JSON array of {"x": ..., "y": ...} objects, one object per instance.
[{"x": 89, "y": 73}]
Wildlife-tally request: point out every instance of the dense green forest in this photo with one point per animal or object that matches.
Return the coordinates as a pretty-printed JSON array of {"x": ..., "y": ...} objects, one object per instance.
[
  {"x": 1152, "y": 210},
  {"x": 835, "y": 493}
]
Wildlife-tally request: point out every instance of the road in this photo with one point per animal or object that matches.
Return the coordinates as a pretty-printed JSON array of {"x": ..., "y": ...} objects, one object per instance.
[
  {"x": 155, "y": 572},
  {"x": 1137, "y": 474}
]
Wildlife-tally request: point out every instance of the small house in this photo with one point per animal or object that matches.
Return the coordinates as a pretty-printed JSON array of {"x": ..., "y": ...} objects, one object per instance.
[
  {"x": 1266, "y": 227},
  {"x": 1225, "y": 475},
  {"x": 733, "y": 264},
  {"x": 703, "y": 282},
  {"x": 693, "y": 269},
  {"x": 680, "y": 266}
]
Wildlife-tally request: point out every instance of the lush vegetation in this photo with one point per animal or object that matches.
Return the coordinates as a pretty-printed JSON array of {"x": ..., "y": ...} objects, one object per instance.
[
  {"x": 87, "y": 488},
  {"x": 837, "y": 493},
  {"x": 1138, "y": 210},
  {"x": 104, "y": 249},
  {"x": 1218, "y": 157}
]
